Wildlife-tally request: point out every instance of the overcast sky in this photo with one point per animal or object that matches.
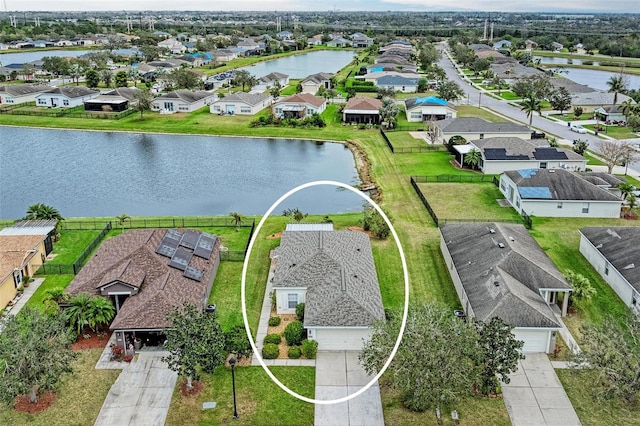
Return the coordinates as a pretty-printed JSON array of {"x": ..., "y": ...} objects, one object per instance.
[{"x": 580, "y": 6}]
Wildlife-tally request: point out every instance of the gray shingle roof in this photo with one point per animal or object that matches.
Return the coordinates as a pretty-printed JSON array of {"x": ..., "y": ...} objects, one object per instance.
[
  {"x": 72, "y": 91},
  {"x": 187, "y": 95},
  {"x": 248, "y": 98},
  {"x": 619, "y": 245},
  {"x": 562, "y": 184},
  {"x": 521, "y": 269},
  {"x": 396, "y": 80},
  {"x": 597, "y": 98},
  {"x": 338, "y": 271},
  {"x": 601, "y": 178},
  {"x": 23, "y": 89},
  {"x": 524, "y": 147},
  {"x": 318, "y": 78},
  {"x": 478, "y": 125}
]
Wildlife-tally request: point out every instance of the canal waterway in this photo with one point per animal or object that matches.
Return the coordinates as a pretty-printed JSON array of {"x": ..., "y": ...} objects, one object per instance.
[
  {"x": 300, "y": 66},
  {"x": 109, "y": 173},
  {"x": 589, "y": 77}
]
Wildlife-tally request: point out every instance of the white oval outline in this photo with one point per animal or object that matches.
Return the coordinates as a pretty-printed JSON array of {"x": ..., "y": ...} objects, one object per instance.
[{"x": 243, "y": 294}]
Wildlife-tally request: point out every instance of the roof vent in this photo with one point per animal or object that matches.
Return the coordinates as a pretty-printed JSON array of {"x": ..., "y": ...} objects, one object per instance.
[
  {"x": 599, "y": 246},
  {"x": 511, "y": 238},
  {"x": 501, "y": 245},
  {"x": 630, "y": 266},
  {"x": 496, "y": 283},
  {"x": 492, "y": 231},
  {"x": 551, "y": 170}
]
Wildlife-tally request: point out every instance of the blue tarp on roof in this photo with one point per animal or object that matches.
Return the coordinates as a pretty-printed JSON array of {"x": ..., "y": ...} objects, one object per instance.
[
  {"x": 527, "y": 173},
  {"x": 377, "y": 69},
  {"x": 431, "y": 100},
  {"x": 535, "y": 192}
]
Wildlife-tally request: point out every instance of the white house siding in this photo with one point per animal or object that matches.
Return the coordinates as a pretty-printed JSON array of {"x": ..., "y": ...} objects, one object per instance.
[
  {"x": 178, "y": 105},
  {"x": 310, "y": 88},
  {"x": 416, "y": 114},
  {"x": 542, "y": 340},
  {"x": 616, "y": 281},
  {"x": 61, "y": 101},
  {"x": 6, "y": 98},
  {"x": 462, "y": 296},
  {"x": 408, "y": 88},
  {"x": 283, "y": 297},
  {"x": 498, "y": 166},
  {"x": 340, "y": 338}
]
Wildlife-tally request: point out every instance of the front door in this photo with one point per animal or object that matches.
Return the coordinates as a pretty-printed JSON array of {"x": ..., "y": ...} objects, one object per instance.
[
  {"x": 54, "y": 102},
  {"x": 230, "y": 109}
]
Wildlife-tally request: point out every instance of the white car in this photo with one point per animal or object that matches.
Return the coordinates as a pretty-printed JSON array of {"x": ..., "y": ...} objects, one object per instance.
[{"x": 578, "y": 129}]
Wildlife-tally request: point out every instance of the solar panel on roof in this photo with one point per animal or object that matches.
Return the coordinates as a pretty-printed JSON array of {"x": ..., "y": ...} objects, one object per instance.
[
  {"x": 535, "y": 192},
  {"x": 180, "y": 259},
  {"x": 193, "y": 273},
  {"x": 190, "y": 239},
  {"x": 495, "y": 153},
  {"x": 167, "y": 246},
  {"x": 549, "y": 154},
  {"x": 205, "y": 245},
  {"x": 174, "y": 235},
  {"x": 165, "y": 250}
]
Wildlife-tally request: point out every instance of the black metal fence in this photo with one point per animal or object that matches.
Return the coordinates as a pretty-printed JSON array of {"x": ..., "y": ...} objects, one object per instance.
[
  {"x": 167, "y": 222},
  {"x": 425, "y": 203},
  {"x": 75, "y": 112},
  {"x": 410, "y": 149},
  {"x": 386, "y": 139},
  {"x": 232, "y": 255},
  {"x": 467, "y": 178}
]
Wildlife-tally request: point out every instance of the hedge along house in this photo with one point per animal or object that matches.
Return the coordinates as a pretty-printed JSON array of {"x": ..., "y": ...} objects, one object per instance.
[
  {"x": 429, "y": 108},
  {"x": 334, "y": 275},
  {"x": 146, "y": 274},
  {"x": 613, "y": 252},
  {"x": 557, "y": 193},
  {"x": 24, "y": 247},
  {"x": 499, "y": 270}
]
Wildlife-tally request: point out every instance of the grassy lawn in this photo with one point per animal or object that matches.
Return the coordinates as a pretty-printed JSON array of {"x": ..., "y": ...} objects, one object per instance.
[
  {"x": 616, "y": 132},
  {"x": 508, "y": 95},
  {"x": 579, "y": 385},
  {"x": 569, "y": 116},
  {"x": 50, "y": 282},
  {"x": 401, "y": 139},
  {"x": 635, "y": 182},
  {"x": 79, "y": 399},
  {"x": 70, "y": 245},
  {"x": 259, "y": 400},
  {"x": 455, "y": 201},
  {"x": 593, "y": 161},
  {"x": 472, "y": 111}
]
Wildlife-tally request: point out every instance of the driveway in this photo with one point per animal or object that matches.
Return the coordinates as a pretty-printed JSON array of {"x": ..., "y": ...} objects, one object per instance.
[
  {"x": 141, "y": 395},
  {"x": 339, "y": 374},
  {"x": 535, "y": 396}
]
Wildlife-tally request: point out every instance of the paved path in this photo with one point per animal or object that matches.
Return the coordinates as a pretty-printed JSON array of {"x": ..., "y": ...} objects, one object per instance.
[
  {"x": 20, "y": 302},
  {"x": 141, "y": 395},
  {"x": 339, "y": 374},
  {"x": 535, "y": 396}
]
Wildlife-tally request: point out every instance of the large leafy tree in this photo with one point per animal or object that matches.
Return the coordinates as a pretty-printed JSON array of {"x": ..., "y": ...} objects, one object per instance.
[
  {"x": 529, "y": 105},
  {"x": 144, "y": 100},
  {"x": 184, "y": 79},
  {"x": 561, "y": 99},
  {"x": 55, "y": 65},
  {"x": 537, "y": 85},
  {"x": 195, "y": 342},
  {"x": 614, "y": 353},
  {"x": 92, "y": 78},
  {"x": 499, "y": 354},
  {"x": 428, "y": 55},
  {"x": 614, "y": 152},
  {"x": 388, "y": 112},
  {"x": 121, "y": 79},
  {"x": 34, "y": 354},
  {"x": 436, "y": 361},
  {"x": 244, "y": 78},
  {"x": 449, "y": 90}
]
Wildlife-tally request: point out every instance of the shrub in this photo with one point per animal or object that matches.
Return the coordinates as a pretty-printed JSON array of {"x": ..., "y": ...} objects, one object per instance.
[
  {"x": 127, "y": 358},
  {"x": 294, "y": 352},
  {"x": 300, "y": 311},
  {"x": 293, "y": 333},
  {"x": 117, "y": 352},
  {"x": 272, "y": 338},
  {"x": 309, "y": 348},
  {"x": 274, "y": 321},
  {"x": 237, "y": 342},
  {"x": 270, "y": 351}
]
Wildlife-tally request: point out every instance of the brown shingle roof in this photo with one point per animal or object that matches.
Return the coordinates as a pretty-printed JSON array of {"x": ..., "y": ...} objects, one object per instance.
[
  {"x": 307, "y": 98},
  {"x": 14, "y": 251},
  {"x": 363, "y": 104}
]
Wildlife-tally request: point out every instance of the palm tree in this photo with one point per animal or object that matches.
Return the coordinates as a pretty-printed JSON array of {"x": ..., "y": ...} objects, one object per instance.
[
  {"x": 236, "y": 219},
  {"x": 629, "y": 107},
  {"x": 122, "y": 219},
  {"x": 472, "y": 158},
  {"x": 100, "y": 312},
  {"x": 78, "y": 312},
  {"x": 40, "y": 211},
  {"x": 53, "y": 298},
  {"x": 616, "y": 85},
  {"x": 530, "y": 105},
  {"x": 582, "y": 289},
  {"x": 626, "y": 189}
]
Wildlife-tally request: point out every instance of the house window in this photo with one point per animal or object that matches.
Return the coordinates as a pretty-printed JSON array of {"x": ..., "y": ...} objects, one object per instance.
[
  {"x": 17, "y": 278},
  {"x": 606, "y": 269},
  {"x": 65, "y": 102},
  {"x": 543, "y": 164},
  {"x": 183, "y": 108},
  {"x": 292, "y": 300},
  {"x": 634, "y": 301},
  {"x": 245, "y": 110},
  {"x": 42, "y": 101},
  {"x": 503, "y": 186},
  {"x": 449, "y": 115},
  {"x": 559, "y": 205},
  {"x": 216, "y": 108},
  {"x": 518, "y": 202},
  {"x": 585, "y": 207},
  {"x": 481, "y": 136},
  {"x": 417, "y": 115}
]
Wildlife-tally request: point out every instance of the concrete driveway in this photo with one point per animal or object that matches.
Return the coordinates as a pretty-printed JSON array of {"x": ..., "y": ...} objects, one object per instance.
[
  {"x": 339, "y": 374},
  {"x": 141, "y": 395},
  {"x": 535, "y": 396}
]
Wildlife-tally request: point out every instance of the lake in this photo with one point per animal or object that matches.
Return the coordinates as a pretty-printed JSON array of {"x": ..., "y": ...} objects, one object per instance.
[
  {"x": 300, "y": 66},
  {"x": 25, "y": 57},
  {"x": 109, "y": 173}
]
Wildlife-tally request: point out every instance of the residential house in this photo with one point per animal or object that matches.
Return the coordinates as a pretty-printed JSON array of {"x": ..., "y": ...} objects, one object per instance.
[
  {"x": 591, "y": 101},
  {"x": 13, "y": 94},
  {"x": 314, "y": 82},
  {"x": 24, "y": 247},
  {"x": 65, "y": 96},
  {"x": 399, "y": 47},
  {"x": 285, "y": 35},
  {"x": 499, "y": 270},
  {"x": 556, "y": 47},
  {"x": 499, "y": 154},
  {"x": 606, "y": 181},
  {"x": 613, "y": 252},
  {"x": 116, "y": 100},
  {"x": 339, "y": 42},
  {"x": 361, "y": 40},
  {"x": 502, "y": 44},
  {"x": 469, "y": 128},
  {"x": 398, "y": 83},
  {"x": 428, "y": 108},
  {"x": 42, "y": 43},
  {"x": 270, "y": 80},
  {"x": 241, "y": 103},
  {"x": 4, "y": 46},
  {"x": 173, "y": 45},
  {"x": 557, "y": 193},
  {"x": 530, "y": 44},
  {"x": 63, "y": 43},
  {"x": 224, "y": 55},
  {"x": 377, "y": 73},
  {"x": 334, "y": 275},
  {"x": 611, "y": 113},
  {"x": 162, "y": 34},
  {"x": 183, "y": 101},
  {"x": 316, "y": 40},
  {"x": 362, "y": 110},
  {"x": 147, "y": 273},
  {"x": 299, "y": 106}
]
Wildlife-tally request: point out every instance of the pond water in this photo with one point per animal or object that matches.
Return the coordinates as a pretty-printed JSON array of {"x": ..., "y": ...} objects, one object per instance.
[
  {"x": 110, "y": 173},
  {"x": 24, "y": 57},
  {"x": 300, "y": 66},
  {"x": 563, "y": 61}
]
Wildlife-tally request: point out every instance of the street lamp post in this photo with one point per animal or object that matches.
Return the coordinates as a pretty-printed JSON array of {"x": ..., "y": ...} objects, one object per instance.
[
  {"x": 232, "y": 363},
  {"x": 479, "y": 99}
]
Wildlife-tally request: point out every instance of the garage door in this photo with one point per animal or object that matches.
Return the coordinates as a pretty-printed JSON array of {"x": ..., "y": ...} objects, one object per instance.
[
  {"x": 534, "y": 341},
  {"x": 231, "y": 109},
  {"x": 330, "y": 339}
]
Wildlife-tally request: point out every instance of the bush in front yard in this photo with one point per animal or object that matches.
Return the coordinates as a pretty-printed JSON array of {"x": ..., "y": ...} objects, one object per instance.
[
  {"x": 294, "y": 352},
  {"x": 309, "y": 348},
  {"x": 300, "y": 311},
  {"x": 272, "y": 338},
  {"x": 274, "y": 321},
  {"x": 270, "y": 351},
  {"x": 293, "y": 333}
]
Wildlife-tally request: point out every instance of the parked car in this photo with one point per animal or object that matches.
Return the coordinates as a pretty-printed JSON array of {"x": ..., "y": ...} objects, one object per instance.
[
  {"x": 538, "y": 135},
  {"x": 578, "y": 129}
]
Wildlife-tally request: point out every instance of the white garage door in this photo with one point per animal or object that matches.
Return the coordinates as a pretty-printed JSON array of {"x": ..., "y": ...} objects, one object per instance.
[
  {"x": 331, "y": 339},
  {"x": 534, "y": 341}
]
